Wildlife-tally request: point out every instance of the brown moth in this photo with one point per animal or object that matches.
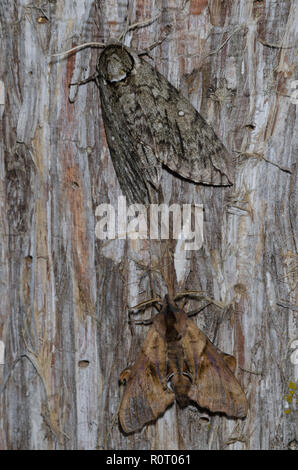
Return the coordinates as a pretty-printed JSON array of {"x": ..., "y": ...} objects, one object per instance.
[{"x": 177, "y": 353}]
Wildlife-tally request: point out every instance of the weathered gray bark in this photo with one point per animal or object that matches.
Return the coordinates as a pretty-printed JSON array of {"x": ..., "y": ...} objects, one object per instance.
[{"x": 63, "y": 293}]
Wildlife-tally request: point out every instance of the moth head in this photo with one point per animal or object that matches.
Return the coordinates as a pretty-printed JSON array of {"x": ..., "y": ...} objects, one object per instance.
[
  {"x": 174, "y": 318},
  {"x": 115, "y": 63}
]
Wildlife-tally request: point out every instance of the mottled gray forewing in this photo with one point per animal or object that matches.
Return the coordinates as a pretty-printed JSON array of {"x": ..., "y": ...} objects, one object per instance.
[
  {"x": 149, "y": 123},
  {"x": 124, "y": 150},
  {"x": 181, "y": 139}
]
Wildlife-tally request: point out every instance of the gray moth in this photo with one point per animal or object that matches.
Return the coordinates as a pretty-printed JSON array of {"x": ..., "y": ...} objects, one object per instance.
[{"x": 150, "y": 125}]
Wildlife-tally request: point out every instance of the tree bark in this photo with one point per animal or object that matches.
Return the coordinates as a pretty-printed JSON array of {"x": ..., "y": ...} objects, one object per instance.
[{"x": 64, "y": 293}]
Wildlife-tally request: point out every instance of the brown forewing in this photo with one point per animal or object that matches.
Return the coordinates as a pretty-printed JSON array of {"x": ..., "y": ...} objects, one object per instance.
[
  {"x": 146, "y": 395},
  {"x": 214, "y": 385}
]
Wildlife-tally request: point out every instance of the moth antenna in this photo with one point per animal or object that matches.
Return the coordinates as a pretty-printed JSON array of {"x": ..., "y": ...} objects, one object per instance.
[
  {"x": 145, "y": 304},
  {"x": 78, "y": 48},
  {"x": 128, "y": 19},
  {"x": 198, "y": 310},
  {"x": 138, "y": 25},
  {"x": 154, "y": 45}
]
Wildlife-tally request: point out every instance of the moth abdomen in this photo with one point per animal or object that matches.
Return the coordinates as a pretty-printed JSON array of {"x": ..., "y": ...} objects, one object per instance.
[{"x": 181, "y": 386}]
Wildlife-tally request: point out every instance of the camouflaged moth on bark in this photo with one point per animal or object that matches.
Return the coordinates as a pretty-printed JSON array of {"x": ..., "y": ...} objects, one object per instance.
[
  {"x": 177, "y": 353},
  {"x": 149, "y": 124}
]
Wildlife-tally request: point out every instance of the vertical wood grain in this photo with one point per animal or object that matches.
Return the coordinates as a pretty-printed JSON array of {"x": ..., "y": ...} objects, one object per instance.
[{"x": 64, "y": 293}]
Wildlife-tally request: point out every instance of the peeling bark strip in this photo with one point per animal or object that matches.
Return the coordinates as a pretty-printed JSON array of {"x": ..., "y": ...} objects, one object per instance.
[
  {"x": 149, "y": 123},
  {"x": 176, "y": 351}
]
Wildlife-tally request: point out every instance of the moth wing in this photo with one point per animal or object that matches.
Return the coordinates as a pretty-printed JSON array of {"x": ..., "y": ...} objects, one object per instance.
[
  {"x": 134, "y": 167},
  {"x": 214, "y": 385},
  {"x": 180, "y": 137},
  {"x": 146, "y": 395},
  {"x": 229, "y": 360}
]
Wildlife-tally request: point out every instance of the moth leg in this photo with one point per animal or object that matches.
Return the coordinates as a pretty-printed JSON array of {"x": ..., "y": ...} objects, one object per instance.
[
  {"x": 145, "y": 304},
  {"x": 142, "y": 322},
  {"x": 147, "y": 321},
  {"x": 182, "y": 304},
  {"x": 124, "y": 376},
  {"x": 200, "y": 294},
  {"x": 198, "y": 310},
  {"x": 192, "y": 293},
  {"x": 87, "y": 80},
  {"x": 189, "y": 292}
]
